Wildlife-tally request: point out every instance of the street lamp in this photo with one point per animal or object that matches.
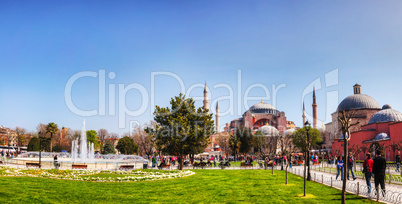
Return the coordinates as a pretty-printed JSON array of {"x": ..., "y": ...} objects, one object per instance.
[
  {"x": 308, "y": 128},
  {"x": 282, "y": 152},
  {"x": 40, "y": 150},
  {"x": 8, "y": 142}
]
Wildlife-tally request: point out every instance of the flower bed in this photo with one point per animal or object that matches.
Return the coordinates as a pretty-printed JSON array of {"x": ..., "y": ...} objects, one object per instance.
[{"x": 96, "y": 176}]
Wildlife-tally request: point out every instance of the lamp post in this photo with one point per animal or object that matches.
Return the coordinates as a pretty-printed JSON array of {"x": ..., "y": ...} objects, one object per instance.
[
  {"x": 282, "y": 152},
  {"x": 8, "y": 142},
  {"x": 40, "y": 150},
  {"x": 308, "y": 127}
]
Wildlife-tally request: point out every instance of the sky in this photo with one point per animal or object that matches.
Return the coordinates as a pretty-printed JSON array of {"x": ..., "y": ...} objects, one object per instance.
[{"x": 120, "y": 59}]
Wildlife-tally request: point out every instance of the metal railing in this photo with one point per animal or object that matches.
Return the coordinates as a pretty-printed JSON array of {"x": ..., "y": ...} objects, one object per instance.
[{"x": 355, "y": 188}]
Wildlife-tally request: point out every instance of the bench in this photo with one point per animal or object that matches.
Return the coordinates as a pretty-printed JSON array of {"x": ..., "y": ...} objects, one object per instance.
[
  {"x": 199, "y": 165},
  {"x": 243, "y": 164},
  {"x": 79, "y": 166},
  {"x": 163, "y": 166},
  {"x": 126, "y": 167},
  {"x": 33, "y": 165}
]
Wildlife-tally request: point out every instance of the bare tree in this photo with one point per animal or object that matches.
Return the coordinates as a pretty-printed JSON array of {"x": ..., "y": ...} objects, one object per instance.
[
  {"x": 355, "y": 150},
  {"x": 102, "y": 134},
  {"x": 223, "y": 141},
  {"x": 345, "y": 120},
  {"x": 144, "y": 140},
  {"x": 20, "y": 136}
]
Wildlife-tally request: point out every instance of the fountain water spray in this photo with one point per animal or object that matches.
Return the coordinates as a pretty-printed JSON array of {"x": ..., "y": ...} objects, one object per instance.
[{"x": 86, "y": 150}]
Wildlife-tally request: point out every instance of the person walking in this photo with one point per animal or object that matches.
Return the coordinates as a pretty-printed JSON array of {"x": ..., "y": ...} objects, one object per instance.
[
  {"x": 350, "y": 166},
  {"x": 56, "y": 165},
  {"x": 339, "y": 163},
  {"x": 290, "y": 161},
  {"x": 398, "y": 161},
  {"x": 379, "y": 166},
  {"x": 368, "y": 171}
]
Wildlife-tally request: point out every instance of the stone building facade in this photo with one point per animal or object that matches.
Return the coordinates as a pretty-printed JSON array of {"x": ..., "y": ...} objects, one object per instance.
[{"x": 363, "y": 108}]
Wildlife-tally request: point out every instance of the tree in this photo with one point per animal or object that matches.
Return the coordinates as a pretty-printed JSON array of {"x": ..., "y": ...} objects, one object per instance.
[
  {"x": 234, "y": 144},
  {"x": 144, "y": 140},
  {"x": 301, "y": 141},
  {"x": 20, "y": 136},
  {"x": 345, "y": 120},
  {"x": 222, "y": 140},
  {"x": 259, "y": 142},
  {"x": 287, "y": 148},
  {"x": 52, "y": 129},
  {"x": 33, "y": 144},
  {"x": 127, "y": 146},
  {"x": 108, "y": 148},
  {"x": 246, "y": 140},
  {"x": 93, "y": 137},
  {"x": 182, "y": 129},
  {"x": 355, "y": 151},
  {"x": 102, "y": 134}
]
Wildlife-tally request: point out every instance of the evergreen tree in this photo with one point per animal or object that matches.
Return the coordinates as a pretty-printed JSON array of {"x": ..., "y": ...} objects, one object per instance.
[
  {"x": 127, "y": 146},
  {"x": 108, "y": 148},
  {"x": 182, "y": 129},
  {"x": 33, "y": 144}
]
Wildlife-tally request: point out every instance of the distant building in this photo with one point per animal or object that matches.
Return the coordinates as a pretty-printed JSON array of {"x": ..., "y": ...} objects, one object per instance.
[
  {"x": 383, "y": 130},
  {"x": 8, "y": 136},
  {"x": 363, "y": 107}
]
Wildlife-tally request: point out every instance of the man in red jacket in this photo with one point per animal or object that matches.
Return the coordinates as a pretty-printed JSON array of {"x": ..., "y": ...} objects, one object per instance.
[{"x": 368, "y": 168}]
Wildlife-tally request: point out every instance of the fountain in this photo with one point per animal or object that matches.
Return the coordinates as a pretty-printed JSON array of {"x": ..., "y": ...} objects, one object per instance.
[
  {"x": 86, "y": 150},
  {"x": 82, "y": 152}
]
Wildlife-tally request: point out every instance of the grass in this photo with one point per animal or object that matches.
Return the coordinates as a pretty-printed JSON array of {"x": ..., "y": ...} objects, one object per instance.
[{"x": 206, "y": 186}]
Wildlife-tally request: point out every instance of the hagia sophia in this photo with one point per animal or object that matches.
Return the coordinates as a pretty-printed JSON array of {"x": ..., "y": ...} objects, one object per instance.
[{"x": 378, "y": 127}]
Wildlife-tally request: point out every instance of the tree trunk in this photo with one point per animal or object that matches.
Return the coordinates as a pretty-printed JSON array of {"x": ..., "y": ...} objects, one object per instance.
[
  {"x": 181, "y": 162},
  {"x": 51, "y": 142},
  {"x": 286, "y": 183},
  {"x": 345, "y": 168}
]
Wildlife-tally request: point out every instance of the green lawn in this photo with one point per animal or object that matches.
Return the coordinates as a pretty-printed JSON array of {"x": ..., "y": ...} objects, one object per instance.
[{"x": 206, "y": 186}]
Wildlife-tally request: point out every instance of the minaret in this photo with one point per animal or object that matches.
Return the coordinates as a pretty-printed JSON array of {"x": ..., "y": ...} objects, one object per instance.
[
  {"x": 217, "y": 117},
  {"x": 314, "y": 110},
  {"x": 206, "y": 101},
  {"x": 304, "y": 115}
]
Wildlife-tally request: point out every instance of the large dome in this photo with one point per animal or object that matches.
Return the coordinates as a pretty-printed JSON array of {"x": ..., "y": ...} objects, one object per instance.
[
  {"x": 387, "y": 114},
  {"x": 263, "y": 108},
  {"x": 289, "y": 132},
  {"x": 358, "y": 101},
  {"x": 269, "y": 130}
]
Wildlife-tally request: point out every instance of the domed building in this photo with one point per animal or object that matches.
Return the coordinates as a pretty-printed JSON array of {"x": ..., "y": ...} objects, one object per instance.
[
  {"x": 383, "y": 129},
  {"x": 259, "y": 115},
  {"x": 363, "y": 107}
]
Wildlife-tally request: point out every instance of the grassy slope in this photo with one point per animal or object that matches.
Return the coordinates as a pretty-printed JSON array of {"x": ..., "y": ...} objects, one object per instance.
[{"x": 206, "y": 186}]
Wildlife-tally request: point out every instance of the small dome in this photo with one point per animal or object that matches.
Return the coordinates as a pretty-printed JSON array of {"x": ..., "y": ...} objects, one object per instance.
[
  {"x": 263, "y": 108},
  {"x": 386, "y": 106},
  {"x": 382, "y": 136},
  {"x": 386, "y": 115},
  {"x": 321, "y": 129},
  {"x": 269, "y": 130},
  {"x": 289, "y": 132},
  {"x": 358, "y": 101}
]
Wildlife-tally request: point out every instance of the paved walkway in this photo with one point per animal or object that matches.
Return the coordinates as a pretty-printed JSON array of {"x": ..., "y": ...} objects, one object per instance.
[{"x": 389, "y": 187}]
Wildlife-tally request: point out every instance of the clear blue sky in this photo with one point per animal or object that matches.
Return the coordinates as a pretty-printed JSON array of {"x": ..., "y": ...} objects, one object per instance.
[{"x": 44, "y": 43}]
